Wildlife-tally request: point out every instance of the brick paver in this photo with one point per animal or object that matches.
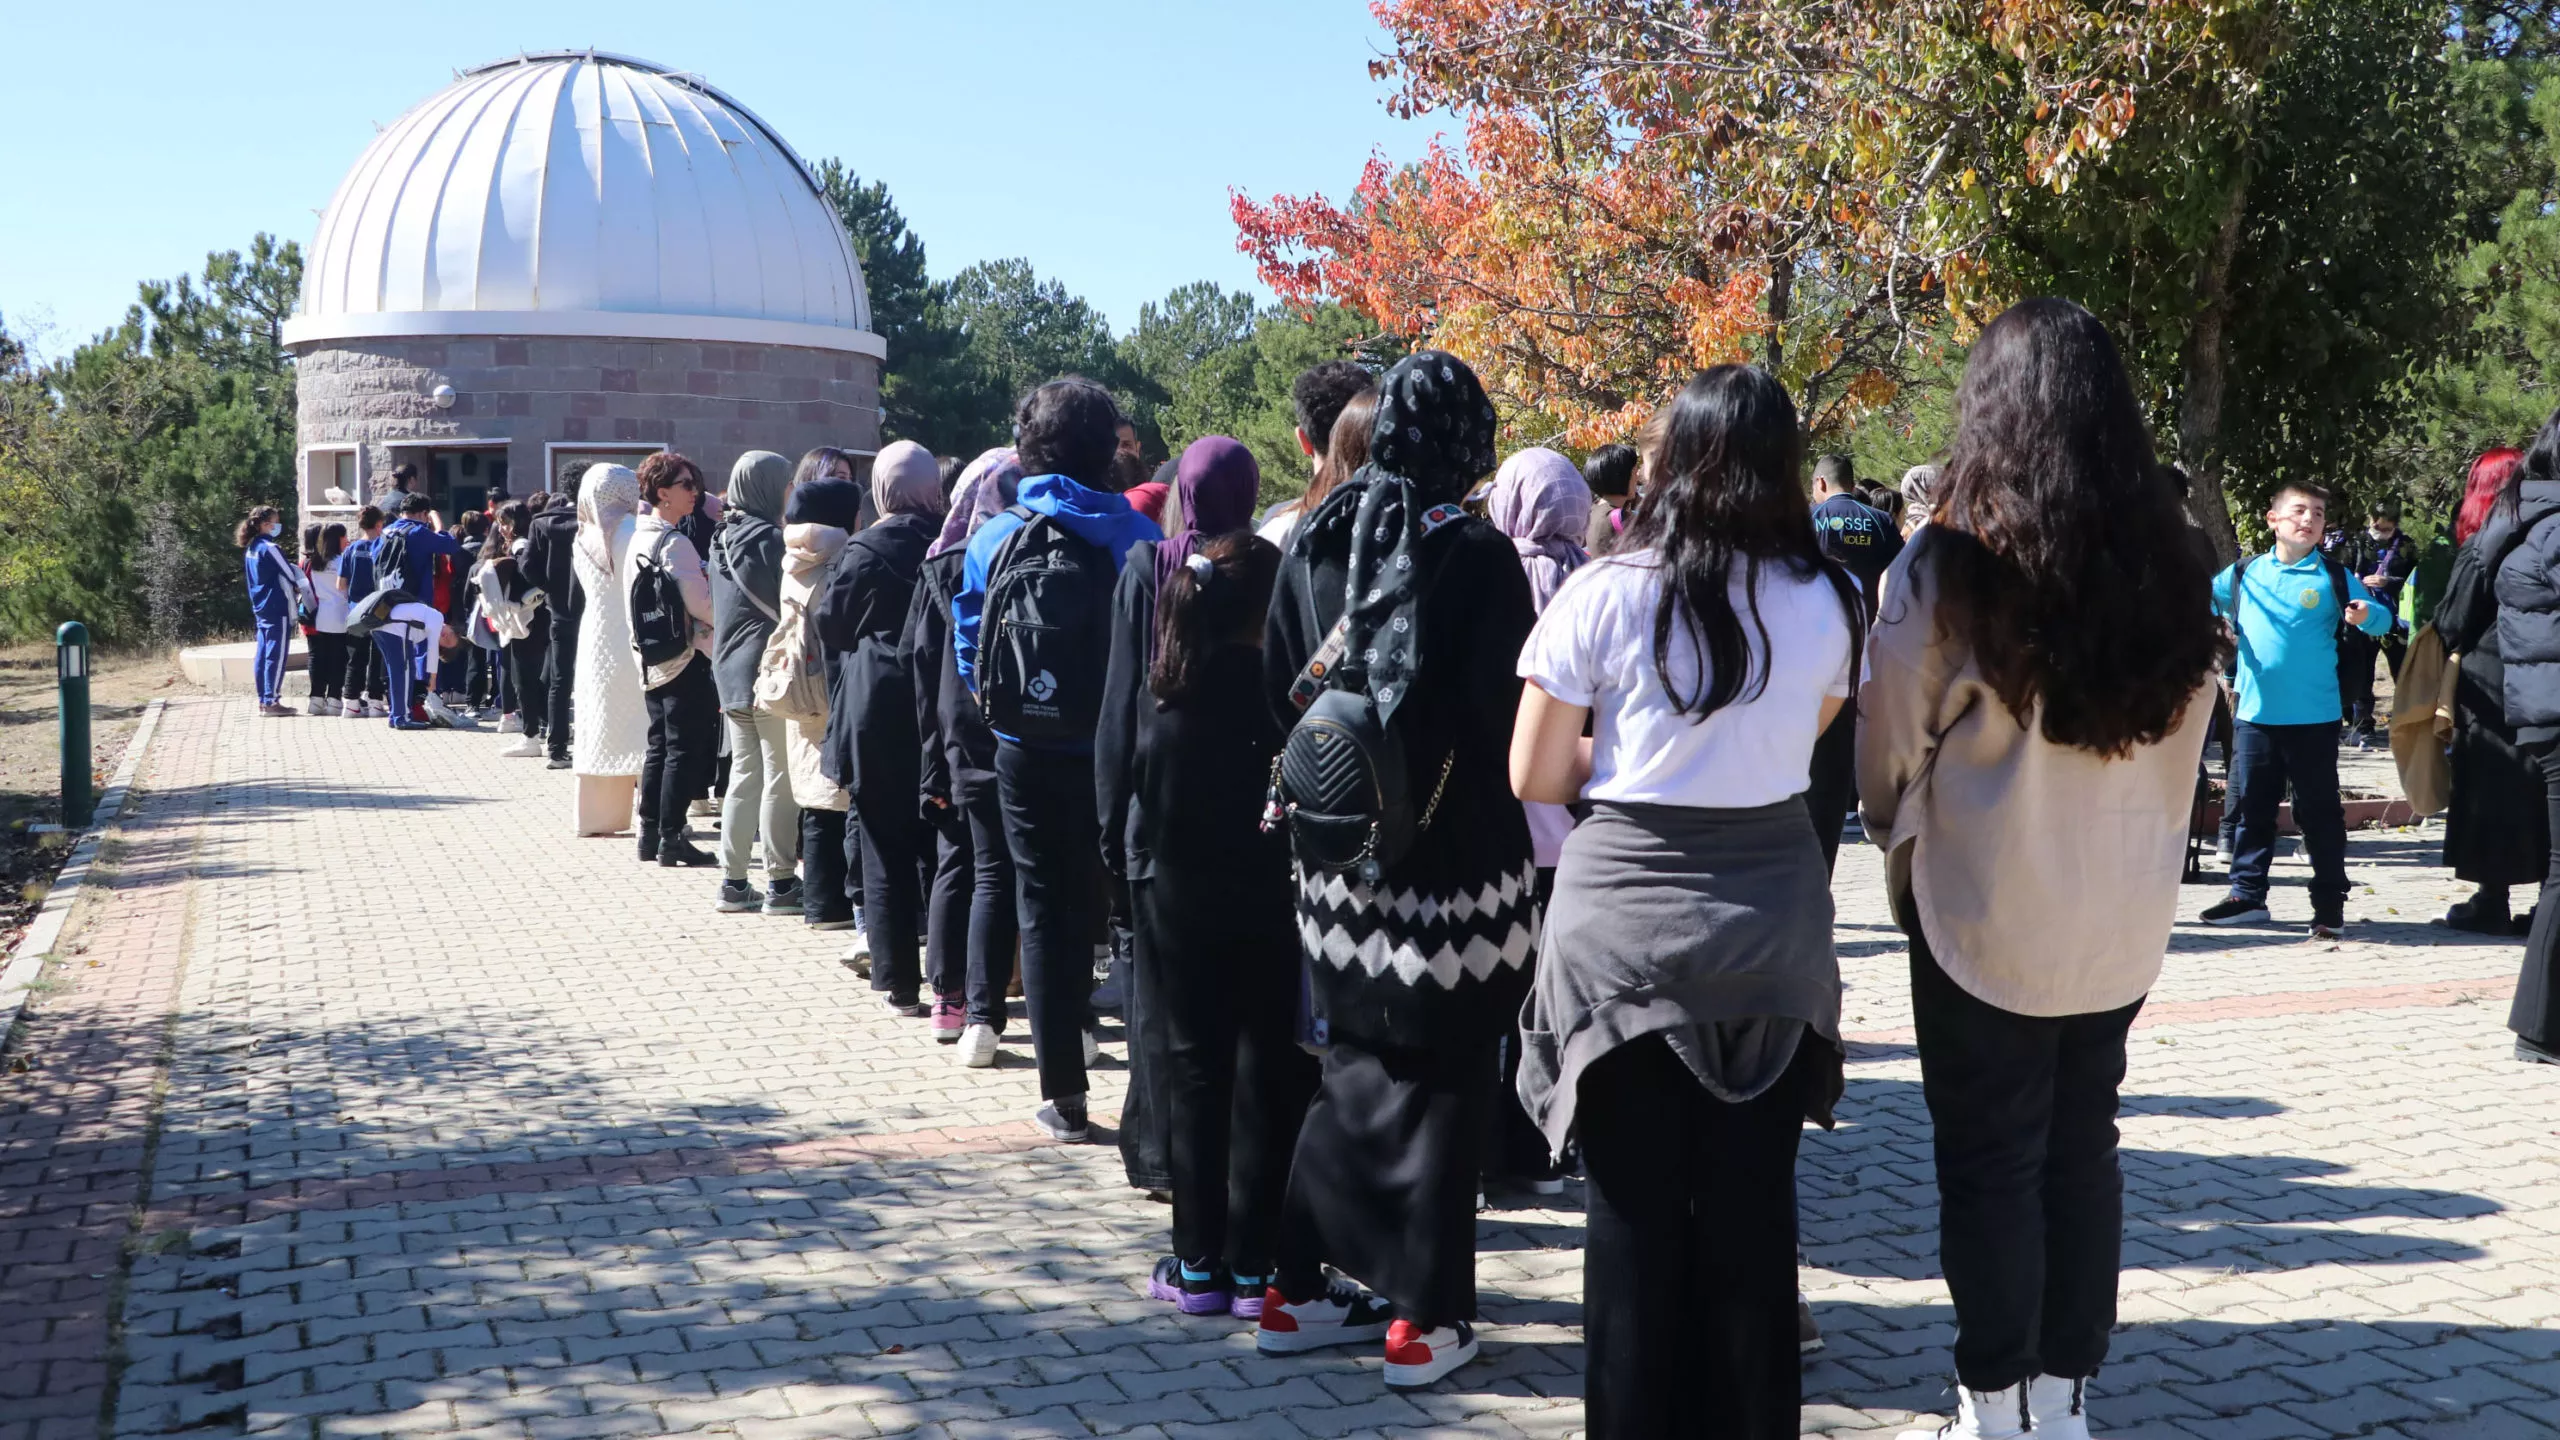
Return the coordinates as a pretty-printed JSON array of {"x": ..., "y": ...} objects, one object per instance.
[{"x": 474, "y": 1128}]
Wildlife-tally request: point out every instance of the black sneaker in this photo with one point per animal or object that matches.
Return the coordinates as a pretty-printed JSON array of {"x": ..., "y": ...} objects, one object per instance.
[
  {"x": 1201, "y": 1290},
  {"x": 738, "y": 895},
  {"x": 2328, "y": 924},
  {"x": 2235, "y": 910},
  {"x": 1344, "y": 1314},
  {"x": 783, "y": 898},
  {"x": 558, "y": 762}
]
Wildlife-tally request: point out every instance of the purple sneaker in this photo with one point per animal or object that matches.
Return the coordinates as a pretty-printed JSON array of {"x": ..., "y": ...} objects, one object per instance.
[
  {"x": 1193, "y": 1291},
  {"x": 1249, "y": 1290}
]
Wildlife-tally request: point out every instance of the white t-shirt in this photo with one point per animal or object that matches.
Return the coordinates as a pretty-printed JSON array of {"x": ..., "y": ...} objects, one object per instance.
[{"x": 1594, "y": 647}]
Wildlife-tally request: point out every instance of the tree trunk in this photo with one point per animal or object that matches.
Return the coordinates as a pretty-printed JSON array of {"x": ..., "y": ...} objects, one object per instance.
[
  {"x": 1782, "y": 284},
  {"x": 2205, "y": 367}
]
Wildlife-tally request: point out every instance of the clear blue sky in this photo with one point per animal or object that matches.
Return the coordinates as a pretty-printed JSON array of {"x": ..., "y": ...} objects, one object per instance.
[{"x": 1098, "y": 138}]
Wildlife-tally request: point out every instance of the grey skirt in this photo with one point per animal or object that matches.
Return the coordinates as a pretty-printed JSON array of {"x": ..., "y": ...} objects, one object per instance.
[{"x": 1696, "y": 924}]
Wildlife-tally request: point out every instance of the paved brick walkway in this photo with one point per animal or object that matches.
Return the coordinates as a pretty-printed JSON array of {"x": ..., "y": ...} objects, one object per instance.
[{"x": 473, "y": 1128}]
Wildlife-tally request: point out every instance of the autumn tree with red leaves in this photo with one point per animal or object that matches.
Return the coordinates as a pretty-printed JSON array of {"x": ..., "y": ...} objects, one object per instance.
[{"x": 1648, "y": 188}]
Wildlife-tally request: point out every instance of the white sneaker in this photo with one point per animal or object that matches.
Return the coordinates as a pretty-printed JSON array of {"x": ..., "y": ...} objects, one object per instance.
[
  {"x": 511, "y": 723},
  {"x": 978, "y": 1047},
  {"x": 322, "y": 707},
  {"x": 1061, "y": 1126},
  {"x": 355, "y": 710},
  {"x": 2059, "y": 1407},
  {"x": 1344, "y": 1314},
  {"x": 527, "y": 747},
  {"x": 1418, "y": 1357},
  {"x": 441, "y": 711},
  {"x": 1092, "y": 1049},
  {"x": 1983, "y": 1415}
]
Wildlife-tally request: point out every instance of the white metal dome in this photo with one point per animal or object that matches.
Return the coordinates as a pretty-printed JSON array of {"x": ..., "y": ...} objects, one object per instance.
[{"x": 580, "y": 193}]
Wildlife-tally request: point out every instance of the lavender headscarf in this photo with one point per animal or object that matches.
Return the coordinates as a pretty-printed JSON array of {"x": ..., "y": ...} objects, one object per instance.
[
  {"x": 1219, "y": 482},
  {"x": 1543, "y": 504},
  {"x": 906, "y": 480},
  {"x": 986, "y": 488}
]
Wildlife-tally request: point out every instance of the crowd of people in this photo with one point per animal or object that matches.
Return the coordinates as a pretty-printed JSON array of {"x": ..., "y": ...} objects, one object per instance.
[{"x": 1473, "y": 818}]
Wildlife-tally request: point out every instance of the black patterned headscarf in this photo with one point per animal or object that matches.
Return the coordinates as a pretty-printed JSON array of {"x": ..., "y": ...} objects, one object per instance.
[{"x": 1432, "y": 440}]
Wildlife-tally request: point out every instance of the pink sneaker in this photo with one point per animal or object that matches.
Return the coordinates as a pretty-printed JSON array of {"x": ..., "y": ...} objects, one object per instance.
[{"x": 950, "y": 1017}]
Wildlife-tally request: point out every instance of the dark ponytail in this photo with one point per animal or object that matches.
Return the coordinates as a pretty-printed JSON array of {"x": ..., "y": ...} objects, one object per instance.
[
  {"x": 255, "y": 526},
  {"x": 1219, "y": 596}
]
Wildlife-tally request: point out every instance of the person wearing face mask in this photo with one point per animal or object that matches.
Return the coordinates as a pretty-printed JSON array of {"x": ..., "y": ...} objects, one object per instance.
[{"x": 274, "y": 584}]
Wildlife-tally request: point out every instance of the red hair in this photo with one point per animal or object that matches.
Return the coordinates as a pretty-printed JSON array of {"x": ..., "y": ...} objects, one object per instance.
[{"x": 2488, "y": 476}]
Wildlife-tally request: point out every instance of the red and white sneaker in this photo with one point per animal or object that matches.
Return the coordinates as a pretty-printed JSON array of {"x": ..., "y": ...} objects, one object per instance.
[
  {"x": 1342, "y": 1315},
  {"x": 1418, "y": 1357}
]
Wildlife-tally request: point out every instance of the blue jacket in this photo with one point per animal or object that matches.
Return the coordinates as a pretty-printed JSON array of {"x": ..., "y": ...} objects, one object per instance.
[
  {"x": 2288, "y": 622},
  {"x": 1096, "y": 516},
  {"x": 271, "y": 581},
  {"x": 417, "y": 562},
  {"x": 359, "y": 568}
]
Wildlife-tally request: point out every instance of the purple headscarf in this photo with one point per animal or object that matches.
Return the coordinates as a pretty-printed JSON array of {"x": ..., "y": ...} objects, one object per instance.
[
  {"x": 1219, "y": 482},
  {"x": 1542, "y": 502},
  {"x": 986, "y": 488}
]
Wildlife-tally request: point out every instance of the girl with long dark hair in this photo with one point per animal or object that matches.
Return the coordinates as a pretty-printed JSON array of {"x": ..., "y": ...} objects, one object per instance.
[
  {"x": 1182, "y": 757},
  {"x": 2039, "y": 687},
  {"x": 1686, "y": 1016},
  {"x": 273, "y": 584},
  {"x": 324, "y": 549}
]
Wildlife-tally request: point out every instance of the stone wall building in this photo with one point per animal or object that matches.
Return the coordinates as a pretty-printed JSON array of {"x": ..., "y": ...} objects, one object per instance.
[{"x": 570, "y": 257}]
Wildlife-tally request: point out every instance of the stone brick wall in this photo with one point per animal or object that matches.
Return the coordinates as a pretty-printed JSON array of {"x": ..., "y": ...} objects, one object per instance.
[{"x": 710, "y": 401}]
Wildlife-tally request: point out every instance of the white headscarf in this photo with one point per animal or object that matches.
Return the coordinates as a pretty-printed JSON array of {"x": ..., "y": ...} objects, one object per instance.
[{"x": 608, "y": 502}]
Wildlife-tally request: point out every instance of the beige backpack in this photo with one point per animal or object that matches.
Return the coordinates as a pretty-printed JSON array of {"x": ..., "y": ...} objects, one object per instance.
[{"x": 791, "y": 675}]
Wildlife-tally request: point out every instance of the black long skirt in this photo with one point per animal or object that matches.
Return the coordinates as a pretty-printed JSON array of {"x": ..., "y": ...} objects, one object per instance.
[
  {"x": 2497, "y": 831},
  {"x": 1383, "y": 1185}
]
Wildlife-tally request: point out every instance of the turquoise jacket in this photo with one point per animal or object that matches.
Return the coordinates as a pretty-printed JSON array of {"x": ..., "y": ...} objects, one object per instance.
[{"x": 2287, "y": 620}]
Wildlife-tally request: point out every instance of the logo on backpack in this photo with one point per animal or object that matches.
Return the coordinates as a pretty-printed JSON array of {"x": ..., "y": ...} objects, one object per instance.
[{"x": 1045, "y": 638}]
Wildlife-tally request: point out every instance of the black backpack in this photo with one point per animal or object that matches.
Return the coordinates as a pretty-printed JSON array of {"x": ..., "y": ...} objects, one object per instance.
[
  {"x": 390, "y": 556},
  {"x": 1044, "y": 638},
  {"x": 661, "y": 627},
  {"x": 1340, "y": 780}
]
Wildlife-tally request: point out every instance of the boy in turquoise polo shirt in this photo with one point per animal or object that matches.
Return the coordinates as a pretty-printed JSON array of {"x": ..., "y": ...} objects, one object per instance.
[{"x": 2285, "y": 610}]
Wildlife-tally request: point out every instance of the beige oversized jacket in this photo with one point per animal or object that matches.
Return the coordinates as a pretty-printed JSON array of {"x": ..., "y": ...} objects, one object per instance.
[{"x": 2045, "y": 877}]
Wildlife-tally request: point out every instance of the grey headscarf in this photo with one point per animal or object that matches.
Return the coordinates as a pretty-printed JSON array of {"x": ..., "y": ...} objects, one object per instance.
[
  {"x": 906, "y": 480},
  {"x": 757, "y": 484}
]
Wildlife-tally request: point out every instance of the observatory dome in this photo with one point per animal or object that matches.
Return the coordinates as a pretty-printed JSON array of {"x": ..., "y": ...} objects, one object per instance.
[{"x": 575, "y": 193}]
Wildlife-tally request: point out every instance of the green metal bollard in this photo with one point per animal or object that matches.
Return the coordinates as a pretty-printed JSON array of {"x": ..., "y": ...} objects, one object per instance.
[{"x": 71, "y": 671}]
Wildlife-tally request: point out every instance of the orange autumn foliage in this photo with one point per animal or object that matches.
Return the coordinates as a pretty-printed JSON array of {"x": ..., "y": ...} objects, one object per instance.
[{"x": 1649, "y": 188}]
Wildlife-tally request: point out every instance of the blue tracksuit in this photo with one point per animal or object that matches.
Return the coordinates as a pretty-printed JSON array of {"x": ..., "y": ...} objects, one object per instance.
[
  {"x": 417, "y": 562},
  {"x": 271, "y": 590}
]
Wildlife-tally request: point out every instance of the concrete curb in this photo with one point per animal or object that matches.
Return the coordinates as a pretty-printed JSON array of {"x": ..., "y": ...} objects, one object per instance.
[{"x": 26, "y": 962}]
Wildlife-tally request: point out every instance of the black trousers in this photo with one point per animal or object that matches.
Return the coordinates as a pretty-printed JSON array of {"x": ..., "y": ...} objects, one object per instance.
[
  {"x": 895, "y": 853},
  {"x": 684, "y": 731},
  {"x": 995, "y": 922},
  {"x": 1689, "y": 1258},
  {"x": 1237, "y": 1084},
  {"x": 1050, "y": 827},
  {"x": 2030, "y": 1197},
  {"x": 823, "y": 896},
  {"x": 563, "y": 659},
  {"x": 366, "y": 674},
  {"x": 329, "y": 656},
  {"x": 1832, "y": 792},
  {"x": 2535, "y": 1012},
  {"x": 2263, "y": 758},
  {"x": 2356, "y": 650},
  {"x": 526, "y": 690},
  {"x": 946, "y": 904}
]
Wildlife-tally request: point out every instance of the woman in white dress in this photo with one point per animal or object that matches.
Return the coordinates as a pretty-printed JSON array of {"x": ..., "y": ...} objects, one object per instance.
[{"x": 610, "y": 725}]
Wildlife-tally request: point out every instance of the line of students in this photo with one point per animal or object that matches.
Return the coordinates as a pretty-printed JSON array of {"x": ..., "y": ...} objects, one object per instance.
[{"x": 989, "y": 704}]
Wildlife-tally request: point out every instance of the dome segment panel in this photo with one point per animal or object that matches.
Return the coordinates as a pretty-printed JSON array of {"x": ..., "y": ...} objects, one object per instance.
[{"x": 610, "y": 196}]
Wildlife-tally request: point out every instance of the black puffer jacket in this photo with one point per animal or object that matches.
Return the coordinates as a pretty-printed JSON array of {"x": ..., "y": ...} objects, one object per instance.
[
  {"x": 872, "y": 745},
  {"x": 746, "y": 603},
  {"x": 2528, "y": 590}
]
